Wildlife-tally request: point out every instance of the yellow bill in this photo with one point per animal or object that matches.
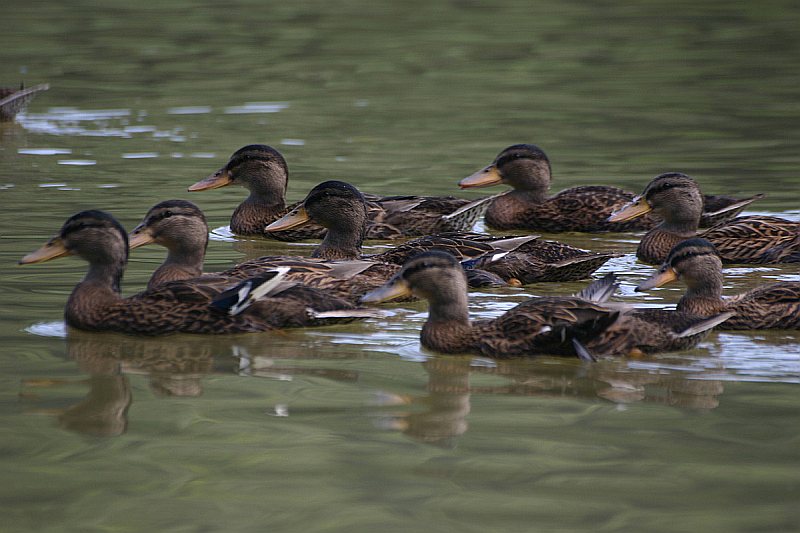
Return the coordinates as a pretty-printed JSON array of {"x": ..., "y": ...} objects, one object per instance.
[
  {"x": 395, "y": 288},
  {"x": 665, "y": 275},
  {"x": 483, "y": 178},
  {"x": 140, "y": 236},
  {"x": 636, "y": 208},
  {"x": 220, "y": 178},
  {"x": 292, "y": 219},
  {"x": 53, "y": 249}
]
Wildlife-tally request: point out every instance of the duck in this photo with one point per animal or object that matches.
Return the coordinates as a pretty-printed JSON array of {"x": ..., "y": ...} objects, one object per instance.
[
  {"x": 579, "y": 326},
  {"x": 697, "y": 263},
  {"x": 676, "y": 198},
  {"x": 13, "y": 100},
  {"x": 341, "y": 209},
  {"x": 264, "y": 172},
  {"x": 190, "y": 306},
  {"x": 526, "y": 168},
  {"x": 181, "y": 227}
]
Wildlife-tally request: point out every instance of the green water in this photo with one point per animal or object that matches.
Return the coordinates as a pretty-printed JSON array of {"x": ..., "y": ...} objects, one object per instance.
[{"x": 355, "y": 428}]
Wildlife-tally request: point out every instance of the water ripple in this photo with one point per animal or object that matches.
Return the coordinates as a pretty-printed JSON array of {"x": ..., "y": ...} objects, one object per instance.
[
  {"x": 48, "y": 329},
  {"x": 257, "y": 107}
]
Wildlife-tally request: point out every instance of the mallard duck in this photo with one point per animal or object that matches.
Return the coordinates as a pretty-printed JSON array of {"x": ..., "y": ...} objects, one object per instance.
[
  {"x": 12, "y": 101},
  {"x": 526, "y": 168},
  {"x": 264, "y": 172},
  {"x": 340, "y": 207},
  {"x": 191, "y": 306},
  {"x": 180, "y": 227},
  {"x": 697, "y": 264},
  {"x": 536, "y": 326},
  {"x": 676, "y": 198}
]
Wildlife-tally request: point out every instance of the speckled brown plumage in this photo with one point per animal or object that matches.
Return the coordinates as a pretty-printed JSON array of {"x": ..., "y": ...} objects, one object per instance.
[
  {"x": 676, "y": 198},
  {"x": 263, "y": 171},
  {"x": 180, "y": 227},
  {"x": 696, "y": 263},
  {"x": 526, "y": 168},
  {"x": 536, "y": 326},
  {"x": 339, "y": 207},
  {"x": 180, "y": 306}
]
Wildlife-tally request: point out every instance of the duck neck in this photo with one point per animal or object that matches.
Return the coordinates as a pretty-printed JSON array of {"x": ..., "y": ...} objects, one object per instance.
[
  {"x": 448, "y": 328},
  {"x": 684, "y": 221},
  {"x": 256, "y": 212},
  {"x": 177, "y": 266},
  {"x": 505, "y": 210},
  {"x": 535, "y": 194},
  {"x": 343, "y": 241},
  {"x": 89, "y": 300},
  {"x": 105, "y": 275},
  {"x": 703, "y": 296}
]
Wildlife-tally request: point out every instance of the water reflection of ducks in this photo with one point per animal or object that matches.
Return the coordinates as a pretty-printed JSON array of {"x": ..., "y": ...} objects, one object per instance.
[
  {"x": 442, "y": 416},
  {"x": 175, "y": 367},
  {"x": 445, "y": 408}
]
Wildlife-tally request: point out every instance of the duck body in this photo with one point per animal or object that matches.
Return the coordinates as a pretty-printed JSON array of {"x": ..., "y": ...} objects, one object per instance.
[
  {"x": 696, "y": 262},
  {"x": 96, "y": 303},
  {"x": 339, "y": 207},
  {"x": 534, "y": 327},
  {"x": 181, "y": 228},
  {"x": 579, "y": 209},
  {"x": 676, "y": 198},
  {"x": 264, "y": 172}
]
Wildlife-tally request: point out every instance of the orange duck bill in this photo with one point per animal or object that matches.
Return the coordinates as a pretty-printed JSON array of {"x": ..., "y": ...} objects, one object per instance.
[
  {"x": 636, "y": 208},
  {"x": 220, "y": 178},
  {"x": 666, "y": 274},
  {"x": 483, "y": 178},
  {"x": 140, "y": 236},
  {"x": 292, "y": 219},
  {"x": 53, "y": 249},
  {"x": 394, "y": 288}
]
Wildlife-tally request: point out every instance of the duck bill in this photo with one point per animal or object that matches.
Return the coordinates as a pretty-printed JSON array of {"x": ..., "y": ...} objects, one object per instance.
[
  {"x": 395, "y": 288},
  {"x": 52, "y": 250},
  {"x": 220, "y": 178},
  {"x": 662, "y": 277},
  {"x": 483, "y": 178},
  {"x": 140, "y": 236},
  {"x": 292, "y": 219},
  {"x": 636, "y": 208}
]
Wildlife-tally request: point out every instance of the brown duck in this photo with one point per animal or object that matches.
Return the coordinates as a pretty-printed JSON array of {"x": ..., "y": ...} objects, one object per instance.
[
  {"x": 676, "y": 198},
  {"x": 181, "y": 228},
  {"x": 340, "y": 207},
  {"x": 697, "y": 264},
  {"x": 536, "y": 326},
  {"x": 264, "y": 172},
  {"x": 191, "y": 306},
  {"x": 526, "y": 168}
]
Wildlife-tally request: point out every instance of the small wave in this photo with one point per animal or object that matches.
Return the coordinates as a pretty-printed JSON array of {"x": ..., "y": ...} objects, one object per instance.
[{"x": 48, "y": 329}]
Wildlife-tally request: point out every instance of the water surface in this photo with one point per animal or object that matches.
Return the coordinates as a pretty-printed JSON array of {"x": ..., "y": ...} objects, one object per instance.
[{"x": 355, "y": 428}]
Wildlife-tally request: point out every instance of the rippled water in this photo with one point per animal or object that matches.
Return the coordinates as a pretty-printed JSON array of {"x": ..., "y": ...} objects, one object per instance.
[{"x": 355, "y": 428}]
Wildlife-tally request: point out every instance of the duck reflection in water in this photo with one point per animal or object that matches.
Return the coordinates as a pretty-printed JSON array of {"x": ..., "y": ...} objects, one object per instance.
[
  {"x": 175, "y": 367},
  {"x": 440, "y": 417}
]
